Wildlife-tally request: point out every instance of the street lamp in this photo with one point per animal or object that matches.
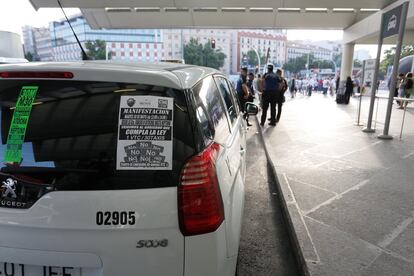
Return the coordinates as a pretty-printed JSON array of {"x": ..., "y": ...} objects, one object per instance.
[{"x": 258, "y": 57}]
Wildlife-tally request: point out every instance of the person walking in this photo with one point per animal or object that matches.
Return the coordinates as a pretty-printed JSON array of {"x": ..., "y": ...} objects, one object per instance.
[
  {"x": 400, "y": 80},
  {"x": 332, "y": 86},
  {"x": 337, "y": 84},
  {"x": 270, "y": 86},
  {"x": 292, "y": 87},
  {"x": 280, "y": 98},
  {"x": 325, "y": 86},
  {"x": 349, "y": 88},
  {"x": 251, "y": 85}
]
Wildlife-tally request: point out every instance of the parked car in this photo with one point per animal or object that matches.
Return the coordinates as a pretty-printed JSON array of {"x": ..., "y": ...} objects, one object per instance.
[{"x": 120, "y": 169}]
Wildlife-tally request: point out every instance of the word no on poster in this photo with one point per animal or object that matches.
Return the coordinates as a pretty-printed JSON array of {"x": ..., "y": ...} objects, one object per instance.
[{"x": 145, "y": 133}]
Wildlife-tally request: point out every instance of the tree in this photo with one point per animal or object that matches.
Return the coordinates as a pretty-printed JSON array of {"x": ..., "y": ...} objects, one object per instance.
[
  {"x": 337, "y": 58},
  {"x": 299, "y": 63},
  {"x": 252, "y": 58},
  {"x": 324, "y": 64},
  {"x": 97, "y": 50},
  {"x": 29, "y": 56},
  {"x": 204, "y": 55},
  {"x": 388, "y": 60},
  {"x": 357, "y": 63}
]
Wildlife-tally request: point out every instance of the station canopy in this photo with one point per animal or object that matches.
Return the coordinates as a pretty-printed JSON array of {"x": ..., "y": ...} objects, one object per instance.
[{"x": 286, "y": 14}]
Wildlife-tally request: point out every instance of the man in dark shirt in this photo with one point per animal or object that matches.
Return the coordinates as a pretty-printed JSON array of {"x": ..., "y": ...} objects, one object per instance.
[
  {"x": 280, "y": 98},
  {"x": 241, "y": 88},
  {"x": 270, "y": 87}
]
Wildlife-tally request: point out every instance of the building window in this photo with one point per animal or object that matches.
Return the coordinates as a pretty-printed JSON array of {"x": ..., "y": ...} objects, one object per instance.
[
  {"x": 130, "y": 45},
  {"x": 122, "y": 45},
  {"x": 113, "y": 45},
  {"x": 122, "y": 54},
  {"x": 131, "y": 54}
]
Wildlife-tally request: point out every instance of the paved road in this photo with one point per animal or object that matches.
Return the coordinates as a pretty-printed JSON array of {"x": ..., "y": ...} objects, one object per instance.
[
  {"x": 264, "y": 247},
  {"x": 349, "y": 194}
]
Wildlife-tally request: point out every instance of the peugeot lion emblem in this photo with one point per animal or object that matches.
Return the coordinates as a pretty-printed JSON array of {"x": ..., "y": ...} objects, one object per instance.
[
  {"x": 9, "y": 188},
  {"x": 131, "y": 102}
]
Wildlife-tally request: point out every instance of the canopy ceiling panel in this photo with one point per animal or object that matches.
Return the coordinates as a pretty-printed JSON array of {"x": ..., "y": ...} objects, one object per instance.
[{"x": 356, "y": 4}]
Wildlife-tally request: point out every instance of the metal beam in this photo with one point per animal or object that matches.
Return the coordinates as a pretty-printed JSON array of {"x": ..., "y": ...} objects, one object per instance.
[
  {"x": 221, "y": 18},
  {"x": 357, "y": 4}
]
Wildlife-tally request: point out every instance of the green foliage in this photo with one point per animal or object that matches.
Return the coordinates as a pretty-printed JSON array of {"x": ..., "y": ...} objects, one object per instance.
[
  {"x": 357, "y": 63},
  {"x": 388, "y": 60},
  {"x": 96, "y": 50},
  {"x": 29, "y": 56},
  {"x": 337, "y": 58},
  {"x": 252, "y": 58},
  {"x": 299, "y": 63},
  {"x": 197, "y": 54}
]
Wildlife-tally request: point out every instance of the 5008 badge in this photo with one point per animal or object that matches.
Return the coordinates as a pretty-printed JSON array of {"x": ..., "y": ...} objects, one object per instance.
[
  {"x": 152, "y": 243},
  {"x": 115, "y": 218}
]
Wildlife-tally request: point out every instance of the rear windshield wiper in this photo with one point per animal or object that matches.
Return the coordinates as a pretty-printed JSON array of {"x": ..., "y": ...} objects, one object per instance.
[{"x": 45, "y": 170}]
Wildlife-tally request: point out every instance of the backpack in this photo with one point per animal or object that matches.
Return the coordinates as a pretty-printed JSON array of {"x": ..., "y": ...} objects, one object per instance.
[{"x": 272, "y": 82}]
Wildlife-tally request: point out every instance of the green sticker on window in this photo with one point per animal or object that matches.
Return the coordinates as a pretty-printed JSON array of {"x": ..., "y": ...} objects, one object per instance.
[{"x": 19, "y": 123}]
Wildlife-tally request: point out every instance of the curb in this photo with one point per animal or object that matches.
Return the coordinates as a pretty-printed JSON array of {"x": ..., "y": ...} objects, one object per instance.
[{"x": 300, "y": 258}]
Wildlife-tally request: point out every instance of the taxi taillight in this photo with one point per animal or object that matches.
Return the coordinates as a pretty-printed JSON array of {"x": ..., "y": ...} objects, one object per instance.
[{"x": 200, "y": 204}]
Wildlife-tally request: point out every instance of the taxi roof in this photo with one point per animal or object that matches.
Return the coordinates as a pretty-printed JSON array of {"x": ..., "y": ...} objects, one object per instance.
[{"x": 174, "y": 75}]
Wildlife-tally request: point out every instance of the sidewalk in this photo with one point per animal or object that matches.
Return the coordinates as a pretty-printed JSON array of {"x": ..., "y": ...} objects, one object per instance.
[{"x": 349, "y": 195}]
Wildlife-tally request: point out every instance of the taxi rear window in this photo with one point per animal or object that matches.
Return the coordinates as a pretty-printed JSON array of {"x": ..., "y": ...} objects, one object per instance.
[{"x": 71, "y": 136}]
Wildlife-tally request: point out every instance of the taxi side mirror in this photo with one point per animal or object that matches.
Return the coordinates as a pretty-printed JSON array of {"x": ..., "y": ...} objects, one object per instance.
[{"x": 251, "y": 109}]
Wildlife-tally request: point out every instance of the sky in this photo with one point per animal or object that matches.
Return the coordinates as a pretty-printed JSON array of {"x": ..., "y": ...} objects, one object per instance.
[{"x": 16, "y": 13}]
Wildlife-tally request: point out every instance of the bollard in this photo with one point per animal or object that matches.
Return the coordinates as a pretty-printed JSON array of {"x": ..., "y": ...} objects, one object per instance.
[
  {"x": 376, "y": 113},
  {"x": 359, "y": 111},
  {"x": 402, "y": 124}
]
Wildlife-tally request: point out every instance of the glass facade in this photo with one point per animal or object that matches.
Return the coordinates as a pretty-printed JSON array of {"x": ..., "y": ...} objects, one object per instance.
[{"x": 61, "y": 34}]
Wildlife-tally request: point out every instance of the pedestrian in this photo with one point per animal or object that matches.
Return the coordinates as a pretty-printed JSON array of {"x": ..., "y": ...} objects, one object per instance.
[
  {"x": 250, "y": 85},
  {"x": 325, "y": 86},
  {"x": 400, "y": 80},
  {"x": 270, "y": 85},
  {"x": 407, "y": 89},
  {"x": 292, "y": 87},
  {"x": 243, "y": 91},
  {"x": 259, "y": 89},
  {"x": 311, "y": 86},
  {"x": 280, "y": 99},
  {"x": 300, "y": 83},
  {"x": 357, "y": 85},
  {"x": 332, "y": 86},
  {"x": 349, "y": 87},
  {"x": 337, "y": 84}
]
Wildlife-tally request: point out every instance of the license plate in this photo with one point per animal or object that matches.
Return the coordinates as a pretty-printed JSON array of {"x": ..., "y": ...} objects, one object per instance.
[{"x": 12, "y": 269}]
